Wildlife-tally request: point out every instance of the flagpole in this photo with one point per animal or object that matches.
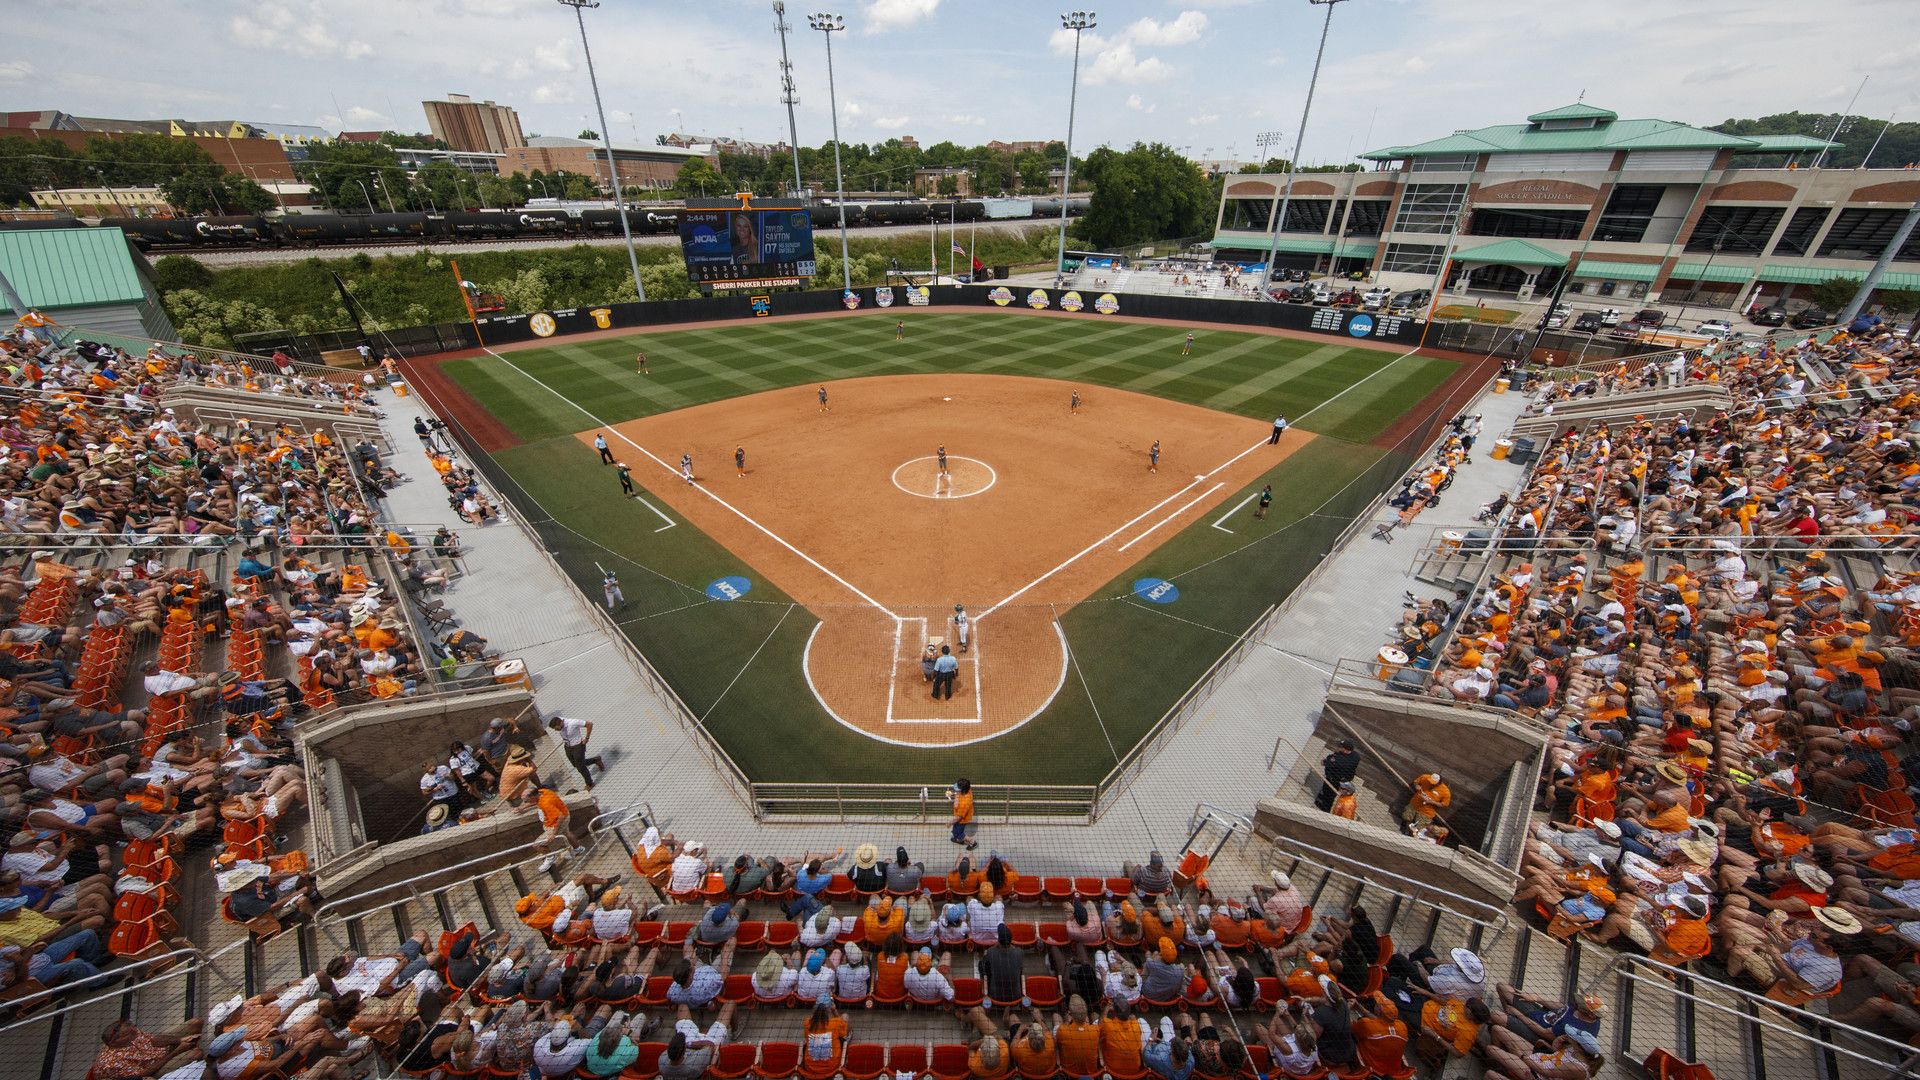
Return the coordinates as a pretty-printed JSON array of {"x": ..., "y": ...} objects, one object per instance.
[
  {"x": 953, "y": 219},
  {"x": 973, "y": 240}
]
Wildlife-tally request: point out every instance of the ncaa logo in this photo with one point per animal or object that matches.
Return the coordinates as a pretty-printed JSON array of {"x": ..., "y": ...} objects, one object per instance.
[
  {"x": 542, "y": 324},
  {"x": 1361, "y": 326}
]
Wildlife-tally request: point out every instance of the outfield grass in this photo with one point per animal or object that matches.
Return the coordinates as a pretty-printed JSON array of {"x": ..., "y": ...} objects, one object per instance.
[{"x": 760, "y": 713}]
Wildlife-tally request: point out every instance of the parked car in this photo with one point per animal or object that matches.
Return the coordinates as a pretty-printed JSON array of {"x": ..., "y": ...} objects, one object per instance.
[
  {"x": 1589, "y": 322},
  {"x": 1772, "y": 315},
  {"x": 1555, "y": 319},
  {"x": 1416, "y": 300},
  {"x": 1649, "y": 319},
  {"x": 1321, "y": 293},
  {"x": 1296, "y": 274},
  {"x": 1809, "y": 317},
  {"x": 1376, "y": 298},
  {"x": 1715, "y": 328},
  {"x": 1609, "y": 316},
  {"x": 1347, "y": 298}
]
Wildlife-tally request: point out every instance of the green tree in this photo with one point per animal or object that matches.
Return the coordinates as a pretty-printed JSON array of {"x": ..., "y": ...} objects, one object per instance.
[
  {"x": 175, "y": 272},
  {"x": 1148, "y": 192},
  {"x": 29, "y": 165},
  {"x": 948, "y": 185},
  {"x": 196, "y": 191},
  {"x": 333, "y": 167},
  {"x": 588, "y": 133},
  {"x": 1902, "y": 302},
  {"x": 1899, "y": 145},
  {"x": 1834, "y": 293},
  {"x": 412, "y": 142},
  {"x": 699, "y": 178},
  {"x": 1032, "y": 168}
]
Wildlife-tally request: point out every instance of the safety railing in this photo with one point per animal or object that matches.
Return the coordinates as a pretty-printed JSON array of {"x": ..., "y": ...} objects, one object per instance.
[
  {"x": 1628, "y": 975},
  {"x": 173, "y": 964},
  {"x": 1493, "y": 921},
  {"x": 920, "y": 803},
  {"x": 355, "y": 426},
  {"x": 356, "y": 907},
  {"x": 138, "y": 346}
]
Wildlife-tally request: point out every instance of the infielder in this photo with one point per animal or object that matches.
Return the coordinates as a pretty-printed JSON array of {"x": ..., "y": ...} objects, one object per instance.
[
  {"x": 686, "y": 467},
  {"x": 1073, "y": 403},
  {"x": 740, "y": 460},
  {"x": 1153, "y": 457},
  {"x": 962, "y": 626},
  {"x": 941, "y": 454},
  {"x": 823, "y": 399}
]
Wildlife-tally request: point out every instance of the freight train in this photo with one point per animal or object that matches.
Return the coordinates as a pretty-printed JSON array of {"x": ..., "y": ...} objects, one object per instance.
[{"x": 241, "y": 232}]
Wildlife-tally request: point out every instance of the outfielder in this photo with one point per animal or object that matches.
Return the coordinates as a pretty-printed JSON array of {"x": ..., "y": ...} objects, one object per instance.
[
  {"x": 962, "y": 626},
  {"x": 1187, "y": 349},
  {"x": 611, "y": 584}
]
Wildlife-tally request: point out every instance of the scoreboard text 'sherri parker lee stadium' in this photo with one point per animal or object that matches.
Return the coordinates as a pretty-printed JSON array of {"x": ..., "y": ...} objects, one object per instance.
[{"x": 747, "y": 245}]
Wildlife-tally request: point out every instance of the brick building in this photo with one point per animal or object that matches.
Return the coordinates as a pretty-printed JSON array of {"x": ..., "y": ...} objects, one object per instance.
[
  {"x": 638, "y": 166},
  {"x": 465, "y": 124}
]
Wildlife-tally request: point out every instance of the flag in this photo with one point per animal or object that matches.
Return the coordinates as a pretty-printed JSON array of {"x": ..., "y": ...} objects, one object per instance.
[{"x": 958, "y": 250}]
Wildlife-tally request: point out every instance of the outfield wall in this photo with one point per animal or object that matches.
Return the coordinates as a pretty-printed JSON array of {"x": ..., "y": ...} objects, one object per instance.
[{"x": 564, "y": 322}]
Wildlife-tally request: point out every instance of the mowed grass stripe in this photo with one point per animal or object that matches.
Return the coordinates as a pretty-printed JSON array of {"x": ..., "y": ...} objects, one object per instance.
[
  {"x": 590, "y": 380},
  {"x": 1274, "y": 378},
  {"x": 1368, "y": 409}
]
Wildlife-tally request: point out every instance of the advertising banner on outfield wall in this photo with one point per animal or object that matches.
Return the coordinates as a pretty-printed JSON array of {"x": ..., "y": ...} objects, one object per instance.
[{"x": 1365, "y": 325}]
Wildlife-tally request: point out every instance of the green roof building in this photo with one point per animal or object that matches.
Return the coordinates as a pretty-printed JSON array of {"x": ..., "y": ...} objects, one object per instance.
[
  {"x": 1634, "y": 210},
  {"x": 90, "y": 279}
]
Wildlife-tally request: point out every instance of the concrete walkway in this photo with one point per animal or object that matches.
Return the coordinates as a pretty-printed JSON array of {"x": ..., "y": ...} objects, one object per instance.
[{"x": 520, "y": 601}]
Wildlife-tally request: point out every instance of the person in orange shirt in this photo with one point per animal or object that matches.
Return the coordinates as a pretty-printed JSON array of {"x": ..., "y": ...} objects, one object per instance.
[
  {"x": 961, "y": 795},
  {"x": 1078, "y": 1040},
  {"x": 882, "y": 920},
  {"x": 890, "y": 970},
  {"x": 963, "y": 880},
  {"x": 555, "y": 817},
  {"x": 988, "y": 1055},
  {"x": 538, "y": 912},
  {"x": 822, "y": 1040},
  {"x": 1121, "y": 1039},
  {"x": 1033, "y": 1047},
  {"x": 1454, "y": 1022},
  {"x": 1381, "y": 1034},
  {"x": 1430, "y": 797},
  {"x": 1346, "y": 804}
]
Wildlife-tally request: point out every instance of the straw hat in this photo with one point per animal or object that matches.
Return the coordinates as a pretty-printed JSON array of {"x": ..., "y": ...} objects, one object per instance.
[
  {"x": 1673, "y": 771},
  {"x": 1838, "y": 920},
  {"x": 865, "y": 856},
  {"x": 1812, "y": 876},
  {"x": 1698, "y": 851},
  {"x": 1282, "y": 881},
  {"x": 437, "y": 814},
  {"x": 1469, "y": 965},
  {"x": 518, "y": 753}
]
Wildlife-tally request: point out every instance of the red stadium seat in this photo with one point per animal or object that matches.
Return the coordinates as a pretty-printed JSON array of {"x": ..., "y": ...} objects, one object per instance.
[
  {"x": 656, "y": 990},
  {"x": 909, "y": 1058},
  {"x": 778, "y": 1060},
  {"x": 1055, "y": 933},
  {"x": 647, "y": 1065},
  {"x": 1026, "y": 890},
  {"x": 675, "y": 934},
  {"x": 967, "y": 993},
  {"x": 646, "y": 933},
  {"x": 840, "y": 888},
  {"x": 1090, "y": 888},
  {"x": 750, "y": 935},
  {"x": 950, "y": 1062},
  {"x": 738, "y": 989},
  {"x": 782, "y": 934},
  {"x": 1057, "y": 888},
  {"x": 1025, "y": 935},
  {"x": 864, "y": 1061},
  {"x": 1119, "y": 887},
  {"x": 734, "y": 1061},
  {"x": 1043, "y": 991}
]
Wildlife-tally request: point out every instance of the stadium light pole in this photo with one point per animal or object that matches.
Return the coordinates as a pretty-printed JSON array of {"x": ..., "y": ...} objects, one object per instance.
[
  {"x": 1078, "y": 22},
  {"x": 606, "y": 140},
  {"x": 368, "y": 194},
  {"x": 828, "y": 24},
  {"x": 787, "y": 92},
  {"x": 1293, "y": 161}
]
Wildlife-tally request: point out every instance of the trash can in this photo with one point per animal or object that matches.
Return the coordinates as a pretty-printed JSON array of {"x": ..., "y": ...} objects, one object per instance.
[
  {"x": 1500, "y": 386},
  {"x": 399, "y": 389}
]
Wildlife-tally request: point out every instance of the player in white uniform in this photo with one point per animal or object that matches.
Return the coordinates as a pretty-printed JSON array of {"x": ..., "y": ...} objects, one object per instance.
[{"x": 962, "y": 626}]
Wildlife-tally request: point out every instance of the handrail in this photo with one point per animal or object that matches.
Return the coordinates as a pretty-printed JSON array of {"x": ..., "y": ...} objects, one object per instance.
[
  {"x": 253, "y": 361},
  {"x": 1498, "y": 925},
  {"x": 1665, "y": 977},
  {"x": 109, "y": 975},
  {"x": 597, "y": 828}
]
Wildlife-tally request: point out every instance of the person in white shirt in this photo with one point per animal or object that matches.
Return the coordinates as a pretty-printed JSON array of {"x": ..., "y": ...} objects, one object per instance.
[
  {"x": 815, "y": 980},
  {"x": 853, "y": 978},
  {"x": 573, "y": 736},
  {"x": 984, "y": 919},
  {"x": 926, "y": 981},
  {"x": 822, "y": 929},
  {"x": 689, "y": 869},
  {"x": 159, "y": 681},
  {"x": 951, "y": 929},
  {"x": 611, "y": 921},
  {"x": 560, "y": 1052}
]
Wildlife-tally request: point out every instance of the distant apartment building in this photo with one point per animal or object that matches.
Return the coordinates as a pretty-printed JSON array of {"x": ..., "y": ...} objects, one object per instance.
[
  {"x": 721, "y": 144},
  {"x": 1024, "y": 146},
  {"x": 927, "y": 181},
  {"x": 465, "y": 124},
  {"x": 262, "y": 152}
]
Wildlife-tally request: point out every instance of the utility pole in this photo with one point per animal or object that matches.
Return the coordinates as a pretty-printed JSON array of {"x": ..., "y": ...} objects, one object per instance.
[
  {"x": 787, "y": 93},
  {"x": 606, "y": 141},
  {"x": 1078, "y": 22},
  {"x": 829, "y": 24},
  {"x": 1293, "y": 161}
]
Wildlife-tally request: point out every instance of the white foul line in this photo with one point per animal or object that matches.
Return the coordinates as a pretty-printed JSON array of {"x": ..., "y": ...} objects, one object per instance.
[
  {"x": 1236, "y": 509},
  {"x": 1083, "y": 552},
  {"x": 674, "y": 472},
  {"x": 1156, "y": 525},
  {"x": 670, "y": 523}
]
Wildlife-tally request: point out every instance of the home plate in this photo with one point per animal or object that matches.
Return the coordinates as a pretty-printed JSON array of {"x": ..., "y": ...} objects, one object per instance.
[
  {"x": 1200, "y": 476},
  {"x": 946, "y": 399}
]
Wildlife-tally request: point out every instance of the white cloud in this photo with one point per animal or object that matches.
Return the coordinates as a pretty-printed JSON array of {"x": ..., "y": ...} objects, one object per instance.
[
  {"x": 1180, "y": 31},
  {"x": 15, "y": 69},
  {"x": 301, "y": 33},
  {"x": 360, "y": 114},
  {"x": 1202, "y": 120},
  {"x": 891, "y": 123},
  {"x": 852, "y": 108},
  {"x": 1137, "y": 105},
  {"x": 894, "y": 14},
  {"x": 1416, "y": 65},
  {"x": 1119, "y": 64},
  {"x": 967, "y": 118},
  {"x": 553, "y": 93},
  {"x": 555, "y": 57}
]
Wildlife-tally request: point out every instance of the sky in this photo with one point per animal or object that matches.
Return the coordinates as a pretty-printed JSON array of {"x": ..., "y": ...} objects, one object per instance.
[{"x": 1207, "y": 76}]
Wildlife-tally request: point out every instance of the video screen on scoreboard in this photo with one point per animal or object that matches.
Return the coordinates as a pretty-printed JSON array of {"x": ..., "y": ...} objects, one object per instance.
[{"x": 747, "y": 249}]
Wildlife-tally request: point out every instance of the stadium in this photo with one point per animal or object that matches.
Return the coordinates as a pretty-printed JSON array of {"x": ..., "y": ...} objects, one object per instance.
[{"x": 1107, "y": 670}]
